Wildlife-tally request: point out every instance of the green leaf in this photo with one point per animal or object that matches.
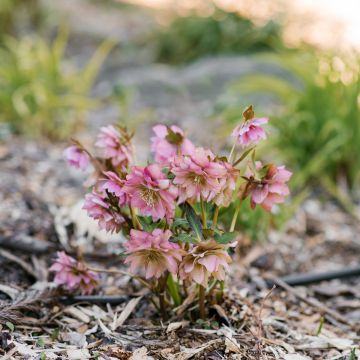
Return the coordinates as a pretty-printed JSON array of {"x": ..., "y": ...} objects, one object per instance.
[
  {"x": 40, "y": 342},
  {"x": 173, "y": 287},
  {"x": 244, "y": 155},
  {"x": 185, "y": 238},
  {"x": 353, "y": 354},
  {"x": 55, "y": 334},
  {"x": 42, "y": 356},
  {"x": 10, "y": 325},
  {"x": 225, "y": 238},
  {"x": 180, "y": 222},
  {"x": 193, "y": 220}
]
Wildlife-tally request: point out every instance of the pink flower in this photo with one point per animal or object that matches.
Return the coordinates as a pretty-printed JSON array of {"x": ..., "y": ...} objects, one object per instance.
[
  {"x": 228, "y": 185},
  {"x": 153, "y": 252},
  {"x": 168, "y": 142},
  {"x": 250, "y": 131},
  {"x": 151, "y": 192},
  {"x": 205, "y": 260},
  {"x": 271, "y": 188},
  {"x": 114, "y": 185},
  {"x": 102, "y": 210},
  {"x": 116, "y": 146},
  {"x": 198, "y": 175},
  {"x": 73, "y": 274},
  {"x": 77, "y": 157}
]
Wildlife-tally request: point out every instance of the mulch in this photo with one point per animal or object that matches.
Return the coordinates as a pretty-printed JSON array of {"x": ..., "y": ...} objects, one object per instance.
[{"x": 254, "y": 321}]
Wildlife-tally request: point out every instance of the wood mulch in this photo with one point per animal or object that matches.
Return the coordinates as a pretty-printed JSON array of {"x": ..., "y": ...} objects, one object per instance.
[{"x": 38, "y": 216}]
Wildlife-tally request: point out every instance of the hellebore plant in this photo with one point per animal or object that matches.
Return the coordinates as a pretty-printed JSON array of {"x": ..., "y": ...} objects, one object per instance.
[{"x": 168, "y": 210}]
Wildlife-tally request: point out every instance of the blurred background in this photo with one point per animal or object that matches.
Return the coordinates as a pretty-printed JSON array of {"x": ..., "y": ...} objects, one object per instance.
[{"x": 68, "y": 67}]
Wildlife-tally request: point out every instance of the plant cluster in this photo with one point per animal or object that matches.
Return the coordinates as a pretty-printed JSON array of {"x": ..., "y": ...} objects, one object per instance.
[
  {"x": 168, "y": 210},
  {"x": 193, "y": 36},
  {"x": 317, "y": 126},
  {"x": 38, "y": 95}
]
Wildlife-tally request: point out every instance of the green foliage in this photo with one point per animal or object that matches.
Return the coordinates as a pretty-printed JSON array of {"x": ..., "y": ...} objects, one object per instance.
[
  {"x": 190, "y": 37},
  {"x": 317, "y": 125},
  {"x": 38, "y": 95}
]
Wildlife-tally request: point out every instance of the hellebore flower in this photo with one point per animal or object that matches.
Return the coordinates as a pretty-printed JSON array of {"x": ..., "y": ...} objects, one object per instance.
[
  {"x": 100, "y": 209},
  {"x": 152, "y": 252},
  {"x": 250, "y": 131},
  {"x": 205, "y": 260},
  {"x": 228, "y": 185},
  {"x": 114, "y": 185},
  {"x": 169, "y": 142},
  {"x": 73, "y": 274},
  {"x": 115, "y": 145},
  {"x": 271, "y": 188},
  {"x": 197, "y": 175},
  {"x": 77, "y": 157},
  {"x": 151, "y": 192}
]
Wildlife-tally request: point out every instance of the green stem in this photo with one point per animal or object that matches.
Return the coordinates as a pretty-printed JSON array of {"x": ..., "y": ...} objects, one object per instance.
[
  {"x": 216, "y": 215},
  {"x": 202, "y": 302},
  {"x": 203, "y": 212},
  {"x": 134, "y": 219},
  {"x": 174, "y": 290},
  {"x": 236, "y": 214},
  {"x": 231, "y": 152}
]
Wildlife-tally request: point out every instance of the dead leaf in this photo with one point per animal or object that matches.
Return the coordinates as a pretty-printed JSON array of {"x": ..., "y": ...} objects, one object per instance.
[
  {"x": 77, "y": 313},
  {"x": 176, "y": 326},
  {"x": 129, "y": 308},
  {"x": 140, "y": 354},
  {"x": 78, "y": 354},
  {"x": 75, "y": 338}
]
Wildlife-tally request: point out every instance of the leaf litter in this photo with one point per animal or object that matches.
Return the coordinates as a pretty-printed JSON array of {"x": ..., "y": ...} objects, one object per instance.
[{"x": 37, "y": 213}]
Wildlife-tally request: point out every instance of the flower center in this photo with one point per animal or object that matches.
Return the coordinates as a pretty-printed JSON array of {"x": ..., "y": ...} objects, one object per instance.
[
  {"x": 149, "y": 196},
  {"x": 197, "y": 179}
]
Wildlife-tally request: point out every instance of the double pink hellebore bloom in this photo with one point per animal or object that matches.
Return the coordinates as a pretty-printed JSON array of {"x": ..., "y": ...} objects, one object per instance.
[
  {"x": 73, "y": 274},
  {"x": 152, "y": 252},
  {"x": 250, "y": 132},
  {"x": 271, "y": 188},
  {"x": 99, "y": 209},
  {"x": 205, "y": 260},
  {"x": 114, "y": 147},
  {"x": 164, "y": 150},
  {"x": 77, "y": 157},
  {"x": 151, "y": 192},
  {"x": 198, "y": 175}
]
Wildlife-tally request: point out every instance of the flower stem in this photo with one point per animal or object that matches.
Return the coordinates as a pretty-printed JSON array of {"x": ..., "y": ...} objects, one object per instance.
[
  {"x": 231, "y": 152},
  {"x": 134, "y": 219},
  {"x": 242, "y": 196},
  {"x": 173, "y": 287},
  {"x": 203, "y": 212},
  {"x": 236, "y": 214},
  {"x": 202, "y": 302},
  {"x": 216, "y": 215}
]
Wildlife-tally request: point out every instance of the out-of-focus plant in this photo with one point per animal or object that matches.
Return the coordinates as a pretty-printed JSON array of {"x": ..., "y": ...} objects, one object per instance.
[
  {"x": 15, "y": 13},
  {"x": 193, "y": 36},
  {"x": 317, "y": 119},
  {"x": 40, "y": 94},
  {"x": 177, "y": 246}
]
